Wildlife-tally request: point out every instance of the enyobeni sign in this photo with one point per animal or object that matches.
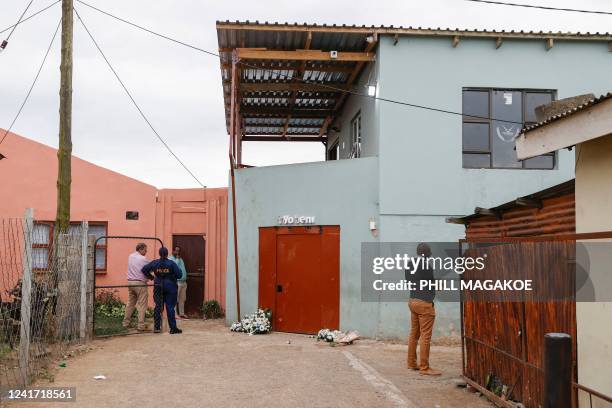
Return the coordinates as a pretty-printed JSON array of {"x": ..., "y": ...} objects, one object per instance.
[{"x": 296, "y": 220}]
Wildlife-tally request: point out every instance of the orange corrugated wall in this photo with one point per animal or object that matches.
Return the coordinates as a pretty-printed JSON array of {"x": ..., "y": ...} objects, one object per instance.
[{"x": 557, "y": 216}]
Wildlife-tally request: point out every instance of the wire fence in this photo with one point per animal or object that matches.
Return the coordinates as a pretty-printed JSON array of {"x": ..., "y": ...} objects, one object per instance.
[{"x": 41, "y": 296}]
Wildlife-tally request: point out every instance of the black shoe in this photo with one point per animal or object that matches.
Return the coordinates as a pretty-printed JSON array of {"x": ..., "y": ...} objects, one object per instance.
[
  {"x": 176, "y": 331},
  {"x": 156, "y": 330}
]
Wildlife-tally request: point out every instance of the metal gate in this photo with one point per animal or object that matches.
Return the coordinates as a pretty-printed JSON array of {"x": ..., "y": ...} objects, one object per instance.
[{"x": 108, "y": 307}]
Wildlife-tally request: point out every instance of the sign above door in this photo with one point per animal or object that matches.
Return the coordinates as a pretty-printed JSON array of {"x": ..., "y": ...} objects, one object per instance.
[{"x": 295, "y": 219}]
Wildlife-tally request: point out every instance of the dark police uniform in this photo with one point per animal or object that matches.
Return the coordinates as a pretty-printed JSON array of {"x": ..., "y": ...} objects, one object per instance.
[{"x": 165, "y": 290}]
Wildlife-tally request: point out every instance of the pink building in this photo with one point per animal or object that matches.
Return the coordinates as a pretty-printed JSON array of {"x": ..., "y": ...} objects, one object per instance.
[{"x": 114, "y": 204}]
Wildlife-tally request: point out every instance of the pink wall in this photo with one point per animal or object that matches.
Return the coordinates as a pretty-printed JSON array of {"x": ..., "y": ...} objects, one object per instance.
[
  {"x": 29, "y": 176},
  {"x": 198, "y": 212}
]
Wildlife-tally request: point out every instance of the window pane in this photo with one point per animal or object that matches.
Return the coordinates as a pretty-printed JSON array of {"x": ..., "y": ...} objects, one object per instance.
[
  {"x": 532, "y": 101},
  {"x": 476, "y": 137},
  {"x": 41, "y": 234},
  {"x": 477, "y": 160},
  {"x": 476, "y": 103},
  {"x": 101, "y": 258},
  {"x": 507, "y": 106},
  {"x": 40, "y": 258},
  {"x": 540, "y": 162},
  {"x": 98, "y": 231}
]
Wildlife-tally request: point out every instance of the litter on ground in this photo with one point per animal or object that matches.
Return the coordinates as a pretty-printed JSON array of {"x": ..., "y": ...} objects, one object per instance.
[{"x": 337, "y": 336}]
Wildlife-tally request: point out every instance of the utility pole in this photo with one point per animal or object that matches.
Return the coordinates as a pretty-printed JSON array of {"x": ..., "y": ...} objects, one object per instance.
[{"x": 64, "y": 152}]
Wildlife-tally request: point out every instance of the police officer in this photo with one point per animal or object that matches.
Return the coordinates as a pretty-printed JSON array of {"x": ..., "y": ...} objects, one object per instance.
[{"x": 165, "y": 289}]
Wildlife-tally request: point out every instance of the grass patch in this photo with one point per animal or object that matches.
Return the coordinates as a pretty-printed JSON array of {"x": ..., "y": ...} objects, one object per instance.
[{"x": 108, "y": 325}]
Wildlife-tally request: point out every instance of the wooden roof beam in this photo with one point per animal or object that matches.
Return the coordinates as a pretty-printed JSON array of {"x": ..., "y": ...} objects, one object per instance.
[
  {"x": 284, "y": 111},
  {"x": 302, "y": 55},
  {"x": 290, "y": 87},
  {"x": 528, "y": 202},
  {"x": 487, "y": 211},
  {"x": 289, "y": 138}
]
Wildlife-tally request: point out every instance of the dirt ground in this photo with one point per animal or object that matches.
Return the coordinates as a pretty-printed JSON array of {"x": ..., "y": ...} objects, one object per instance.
[{"x": 209, "y": 366}]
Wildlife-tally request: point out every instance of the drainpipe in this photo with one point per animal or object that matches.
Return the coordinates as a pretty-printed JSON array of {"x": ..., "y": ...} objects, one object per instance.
[{"x": 232, "y": 146}]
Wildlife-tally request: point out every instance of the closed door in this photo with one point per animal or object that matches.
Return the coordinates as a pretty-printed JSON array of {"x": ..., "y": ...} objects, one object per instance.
[
  {"x": 192, "y": 251},
  {"x": 299, "y": 277}
]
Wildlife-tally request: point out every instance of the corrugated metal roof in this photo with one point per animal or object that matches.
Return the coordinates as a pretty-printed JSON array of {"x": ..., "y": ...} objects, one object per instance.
[
  {"x": 279, "y": 99},
  {"x": 559, "y": 190},
  {"x": 567, "y": 113},
  {"x": 300, "y": 29}
]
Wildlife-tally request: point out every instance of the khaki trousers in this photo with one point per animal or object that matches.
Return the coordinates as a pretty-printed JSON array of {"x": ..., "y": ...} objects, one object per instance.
[
  {"x": 138, "y": 298},
  {"x": 422, "y": 316},
  {"x": 182, "y": 297}
]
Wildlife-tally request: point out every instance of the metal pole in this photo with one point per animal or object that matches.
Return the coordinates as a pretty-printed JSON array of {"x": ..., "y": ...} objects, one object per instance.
[
  {"x": 232, "y": 165},
  {"x": 26, "y": 289},
  {"x": 557, "y": 370},
  {"x": 83, "y": 325}
]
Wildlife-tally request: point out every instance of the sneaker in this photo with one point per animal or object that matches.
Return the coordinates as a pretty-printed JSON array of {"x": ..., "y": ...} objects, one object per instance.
[
  {"x": 156, "y": 330},
  {"x": 430, "y": 371},
  {"x": 176, "y": 331}
]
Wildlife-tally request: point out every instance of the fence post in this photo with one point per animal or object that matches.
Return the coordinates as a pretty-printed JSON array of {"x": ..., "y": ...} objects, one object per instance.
[
  {"x": 557, "y": 370},
  {"x": 90, "y": 288},
  {"x": 26, "y": 289},
  {"x": 84, "y": 275}
]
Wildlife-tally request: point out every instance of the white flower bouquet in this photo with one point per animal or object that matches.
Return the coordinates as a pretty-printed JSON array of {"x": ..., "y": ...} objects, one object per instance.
[{"x": 256, "y": 323}]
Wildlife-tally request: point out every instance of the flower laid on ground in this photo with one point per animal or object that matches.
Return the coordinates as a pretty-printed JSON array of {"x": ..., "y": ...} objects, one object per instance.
[
  {"x": 336, "y": 336},
  {"x": 256, "y": 323}
]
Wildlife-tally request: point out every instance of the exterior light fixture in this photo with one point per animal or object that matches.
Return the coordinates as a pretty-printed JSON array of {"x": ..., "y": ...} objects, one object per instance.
[{"x": 371, "y": 90}]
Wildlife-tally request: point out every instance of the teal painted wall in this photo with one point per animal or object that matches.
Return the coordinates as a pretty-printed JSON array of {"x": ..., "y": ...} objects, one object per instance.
[
  {"x": 343, "y": 192},
  {"x": 420, "y": 151}
]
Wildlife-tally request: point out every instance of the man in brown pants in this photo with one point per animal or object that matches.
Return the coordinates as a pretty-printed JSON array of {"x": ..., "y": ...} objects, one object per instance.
[
  {"x": 138, "y": 293},
  {"x": 422, "y": 315}
]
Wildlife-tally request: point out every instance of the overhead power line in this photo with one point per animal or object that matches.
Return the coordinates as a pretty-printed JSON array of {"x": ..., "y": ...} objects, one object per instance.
[
  {"x": 25, "y": 100},
  {"x": 500, "y": 3},
  {"x": 129, "y": 94},
  {"x": 29, "y": 17},
  {"x": 330, "y": 87},
  {"x": 4, "y": 43}
]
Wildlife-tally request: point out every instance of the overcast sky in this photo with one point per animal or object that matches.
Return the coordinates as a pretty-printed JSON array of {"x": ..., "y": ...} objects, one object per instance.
[{"x": 180, "y": 89}]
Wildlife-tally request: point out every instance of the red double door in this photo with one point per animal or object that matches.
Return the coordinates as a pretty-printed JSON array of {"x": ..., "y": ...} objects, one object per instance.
[{"x": 299, "y": 277}]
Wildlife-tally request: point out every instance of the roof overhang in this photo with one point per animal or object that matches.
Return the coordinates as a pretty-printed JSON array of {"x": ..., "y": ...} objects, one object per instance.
[
  {"x": 587, "y": 122},
  {"x": 287, "y": 85}
]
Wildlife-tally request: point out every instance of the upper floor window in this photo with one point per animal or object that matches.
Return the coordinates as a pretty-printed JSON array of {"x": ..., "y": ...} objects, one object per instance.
[
  {"x": 42, "y": 242},
  {"x": 356, "y": 136},
  {"x": 488, "y": 140}
]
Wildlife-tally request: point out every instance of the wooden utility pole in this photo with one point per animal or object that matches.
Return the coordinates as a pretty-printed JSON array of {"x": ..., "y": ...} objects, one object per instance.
[{"x": 64, "y": 152}]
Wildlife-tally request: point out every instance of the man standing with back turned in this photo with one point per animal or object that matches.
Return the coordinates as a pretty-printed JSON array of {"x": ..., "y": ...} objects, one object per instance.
[
  {"x": 164, "y": 293},
  {"x": 138, "y": 293},
  {"x": 422, "y": 313}
]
